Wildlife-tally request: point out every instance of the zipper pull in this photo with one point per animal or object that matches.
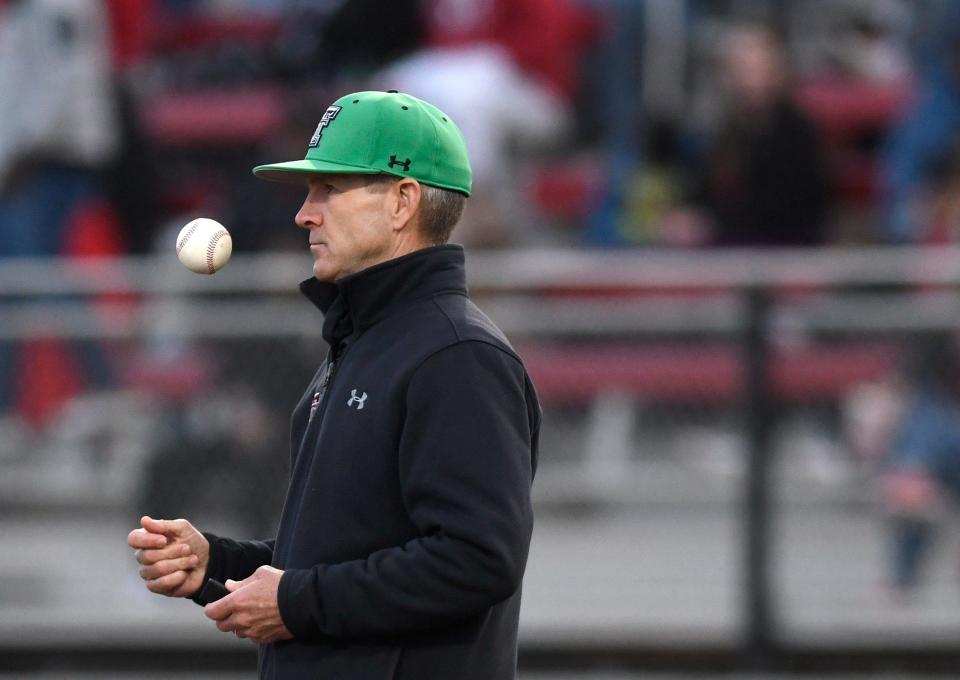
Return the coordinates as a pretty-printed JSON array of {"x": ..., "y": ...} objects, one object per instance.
[
  {"x": 326, "y": 379},
  {"x": 322, "y": 389}
]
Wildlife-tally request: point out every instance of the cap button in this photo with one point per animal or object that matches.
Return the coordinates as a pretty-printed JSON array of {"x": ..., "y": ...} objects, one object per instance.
[{"x": 392, "y": 92}]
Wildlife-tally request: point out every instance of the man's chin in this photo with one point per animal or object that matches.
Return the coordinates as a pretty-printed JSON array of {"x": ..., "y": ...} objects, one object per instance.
[{"x": 322, "y": 273}]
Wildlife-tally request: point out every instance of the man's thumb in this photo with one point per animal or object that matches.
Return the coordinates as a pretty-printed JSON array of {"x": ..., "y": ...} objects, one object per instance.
[{"x": 231, "y": 585}]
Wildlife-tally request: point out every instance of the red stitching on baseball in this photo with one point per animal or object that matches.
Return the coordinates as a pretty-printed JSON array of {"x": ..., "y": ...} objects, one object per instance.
[
  {"x": 186, "y": 237},
  {"x": 212, "y": 246}
]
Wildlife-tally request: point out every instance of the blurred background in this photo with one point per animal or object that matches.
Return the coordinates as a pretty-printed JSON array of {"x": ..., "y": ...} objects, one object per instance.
[{"x": 722, "y": 234}]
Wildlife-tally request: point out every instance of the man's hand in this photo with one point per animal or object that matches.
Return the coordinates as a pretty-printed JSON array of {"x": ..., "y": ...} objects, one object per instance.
[
  {"x": 251, "y": 609},
  {"x": 173, "y": 555}
]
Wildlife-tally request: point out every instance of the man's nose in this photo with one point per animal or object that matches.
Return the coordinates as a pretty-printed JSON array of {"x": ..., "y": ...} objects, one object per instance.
[{"x": 308, "y": 216}]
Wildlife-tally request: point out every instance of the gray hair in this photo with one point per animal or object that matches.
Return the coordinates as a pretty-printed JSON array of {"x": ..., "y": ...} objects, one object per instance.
[{"x": 440, "y": 209}]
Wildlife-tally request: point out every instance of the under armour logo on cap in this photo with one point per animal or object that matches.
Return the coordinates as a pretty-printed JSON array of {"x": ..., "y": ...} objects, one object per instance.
[
  {"x": 404, "y": 164},
  {"x": 327, "y": 118}
]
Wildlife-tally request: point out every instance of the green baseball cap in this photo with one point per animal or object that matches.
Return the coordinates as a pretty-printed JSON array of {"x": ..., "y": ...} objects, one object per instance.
[{"x": 383, "y": 132}]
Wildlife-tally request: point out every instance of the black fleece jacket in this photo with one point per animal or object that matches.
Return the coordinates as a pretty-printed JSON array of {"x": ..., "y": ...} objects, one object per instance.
[{"x": 405, "y": 531}]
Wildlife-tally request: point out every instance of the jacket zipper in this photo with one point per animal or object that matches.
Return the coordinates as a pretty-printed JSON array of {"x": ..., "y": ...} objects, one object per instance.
[
  {"x": 321, "y": 409},
  {"x": 321, "y": 391},
  {"x": 325, "y": 389}
]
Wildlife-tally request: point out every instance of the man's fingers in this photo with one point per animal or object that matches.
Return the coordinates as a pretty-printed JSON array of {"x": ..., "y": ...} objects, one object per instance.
[
  {"x": 168, "y": 583},
  {"x": 152, "y": 572},
  {"x": 141, "y": 538},
  {"x": 172, "y": 551},
  {"x": 238, "y": 623},
  {"x": 168, "y": 527},
  {"x": 221, "y": 609}
]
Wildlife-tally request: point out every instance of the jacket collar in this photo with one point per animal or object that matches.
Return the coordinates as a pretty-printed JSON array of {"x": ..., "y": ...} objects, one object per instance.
[{"x": 356, "y": 302}]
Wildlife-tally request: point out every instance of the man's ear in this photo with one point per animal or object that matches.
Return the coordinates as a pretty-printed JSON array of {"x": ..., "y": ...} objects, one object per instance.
[{"x": 405, "y": 202}]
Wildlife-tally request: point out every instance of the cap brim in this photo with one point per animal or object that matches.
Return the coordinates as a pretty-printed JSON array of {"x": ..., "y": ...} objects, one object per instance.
[{"x": 292, "y": 172}]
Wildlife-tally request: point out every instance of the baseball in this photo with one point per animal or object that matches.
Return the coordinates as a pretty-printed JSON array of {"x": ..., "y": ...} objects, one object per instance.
[{"x": 204, "y": 245}]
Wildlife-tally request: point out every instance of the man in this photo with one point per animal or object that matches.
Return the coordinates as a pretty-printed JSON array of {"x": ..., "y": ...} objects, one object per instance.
[
  {"x": 405, "y": 531},
  {"x": 764, "y": 181}
]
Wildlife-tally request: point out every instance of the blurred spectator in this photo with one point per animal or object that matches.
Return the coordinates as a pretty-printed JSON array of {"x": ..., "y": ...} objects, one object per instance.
[
  {"x": 922, "y": 469},
  {"x": 922, "y": 143},
  {"x": 57, "y": 118},
  {"x": 544, "y": 38},
  {"x": 58, "y": 131},
  {"x": 763, "y": 181},
  {"x": 653, "y": 195},
  {"x": 508, "y": 92}
]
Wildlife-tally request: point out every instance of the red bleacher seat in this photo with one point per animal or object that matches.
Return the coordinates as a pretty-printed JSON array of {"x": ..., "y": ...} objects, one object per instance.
[
  {"x": 703, "y": 372},
  {"x": 213, "y": 117},
  {"x": 846, "y": 113}
]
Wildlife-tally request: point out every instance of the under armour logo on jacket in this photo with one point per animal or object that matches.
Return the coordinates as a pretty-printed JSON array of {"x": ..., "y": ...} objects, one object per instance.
[{"x": 354, "y": 399}]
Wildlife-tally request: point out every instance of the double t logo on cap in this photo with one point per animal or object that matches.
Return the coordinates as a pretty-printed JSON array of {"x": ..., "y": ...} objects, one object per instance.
[{"x": 330, "y": 114}]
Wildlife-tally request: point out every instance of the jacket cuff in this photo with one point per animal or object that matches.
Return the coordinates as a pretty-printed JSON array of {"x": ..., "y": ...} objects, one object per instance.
[
  {"x": 213, "y": 563},
  {"x": 297, "y": 597}
]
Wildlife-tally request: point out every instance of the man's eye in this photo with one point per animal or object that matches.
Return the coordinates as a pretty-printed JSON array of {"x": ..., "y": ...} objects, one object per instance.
[{"x": 330, "y": 188}]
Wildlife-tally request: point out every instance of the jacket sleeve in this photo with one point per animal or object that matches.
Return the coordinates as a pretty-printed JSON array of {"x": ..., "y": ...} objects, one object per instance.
[
  {"x": 466, "y": 466},
  {"x": 232, "y": 559}
]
